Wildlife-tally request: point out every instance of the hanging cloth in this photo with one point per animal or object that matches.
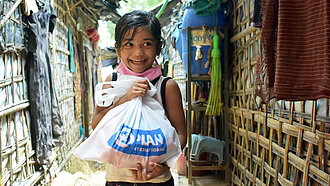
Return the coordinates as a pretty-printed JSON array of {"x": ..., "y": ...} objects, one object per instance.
[
  {"x": 303, "y": 57},
  {"x": 46, "y": 122},
  {"x": 77, "y": 81},
  {"x": 206, "y": 7},
  {"x": 71, "y": 56},
  {"x": 296, "y": 46},
  {"x": 265, "y": 71},
  {"x": 257, "y": 15}
]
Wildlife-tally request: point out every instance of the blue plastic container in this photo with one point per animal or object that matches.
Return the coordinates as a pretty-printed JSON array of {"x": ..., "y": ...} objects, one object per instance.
[
  {"x": 198, "y": 37},
  {"x": 177, "y": 34}
]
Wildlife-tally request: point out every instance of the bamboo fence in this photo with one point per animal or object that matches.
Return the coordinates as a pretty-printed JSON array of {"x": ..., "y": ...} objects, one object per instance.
[
  {"x": 281, "y": 143},
  {"x": 16, "y": 154}
]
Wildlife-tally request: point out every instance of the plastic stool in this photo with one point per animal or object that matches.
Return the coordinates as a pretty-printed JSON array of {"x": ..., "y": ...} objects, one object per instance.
[{"x": 202, "y": 144}]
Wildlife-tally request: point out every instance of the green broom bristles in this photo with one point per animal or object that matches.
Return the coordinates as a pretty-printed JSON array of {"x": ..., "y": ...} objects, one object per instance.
[{"x": 214, "y": 105}]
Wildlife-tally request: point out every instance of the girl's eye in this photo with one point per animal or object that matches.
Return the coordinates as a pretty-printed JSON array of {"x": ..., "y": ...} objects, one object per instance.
[
  {"x": 128, "y": 44},
  {"x": 147, "y": 44}
]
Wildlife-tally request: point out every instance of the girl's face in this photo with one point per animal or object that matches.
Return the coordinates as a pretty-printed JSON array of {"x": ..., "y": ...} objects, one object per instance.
[{"x": 138, "y": 54}]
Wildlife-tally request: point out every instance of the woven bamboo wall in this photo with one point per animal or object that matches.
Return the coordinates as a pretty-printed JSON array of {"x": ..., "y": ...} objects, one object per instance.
[
  {"x": 16, "y": 153},
  {"x": 67, "y": 86},
  {"x": 72, "y": 16},
  {"x": 64, "y": 88},
  {"x": 285, "y": 143}
]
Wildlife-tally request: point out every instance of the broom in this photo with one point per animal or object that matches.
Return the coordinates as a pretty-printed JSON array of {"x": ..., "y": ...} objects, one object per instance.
[{"x": 214, "y": 105}]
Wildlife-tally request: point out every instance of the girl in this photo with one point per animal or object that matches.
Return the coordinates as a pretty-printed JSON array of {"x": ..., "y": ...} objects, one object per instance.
[{"x": 138, "y": 42}]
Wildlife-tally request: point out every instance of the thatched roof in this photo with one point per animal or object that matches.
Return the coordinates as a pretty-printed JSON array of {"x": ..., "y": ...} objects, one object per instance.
[
  {"x": 103, "y": 9},
  {"x": 107, "y": 10},
  {"x": 165, "y": 18}
]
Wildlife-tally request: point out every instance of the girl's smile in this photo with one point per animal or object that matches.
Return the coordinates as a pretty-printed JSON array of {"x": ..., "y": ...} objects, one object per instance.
[{"x": 138, "y": 53}]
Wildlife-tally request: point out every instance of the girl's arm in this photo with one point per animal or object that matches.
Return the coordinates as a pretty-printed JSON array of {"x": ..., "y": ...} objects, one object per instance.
[
  {"x": 175, "y": 111},
  {"x": 139, "y": 88}
]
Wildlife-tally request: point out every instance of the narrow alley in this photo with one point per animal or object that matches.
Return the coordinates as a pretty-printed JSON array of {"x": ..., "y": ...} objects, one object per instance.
[{"x": 195, "y": 92}]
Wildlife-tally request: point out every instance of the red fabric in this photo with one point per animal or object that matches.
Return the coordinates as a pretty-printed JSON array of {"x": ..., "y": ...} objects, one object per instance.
[
  {"x": 96, "y": 38},
  {"x": 299, "y": 68},
  {"x": 303, "y": 50},
  {"x": 92, "y": 34},
  {"x": 264, "y": 85}
]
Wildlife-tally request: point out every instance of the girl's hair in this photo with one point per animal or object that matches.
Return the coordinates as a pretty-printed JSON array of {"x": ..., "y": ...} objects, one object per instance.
[{"x": 136, "y": 19}]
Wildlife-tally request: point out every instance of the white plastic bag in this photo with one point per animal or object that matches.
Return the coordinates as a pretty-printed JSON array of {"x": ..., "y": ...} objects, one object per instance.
[{"x": 136, "y": 131}]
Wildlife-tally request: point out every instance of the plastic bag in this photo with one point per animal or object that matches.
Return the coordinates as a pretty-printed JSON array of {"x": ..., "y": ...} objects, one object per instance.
[{"x": 136, "y": 131}]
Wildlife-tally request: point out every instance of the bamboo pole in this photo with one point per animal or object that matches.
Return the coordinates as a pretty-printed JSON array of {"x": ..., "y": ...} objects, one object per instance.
[
  {"x": 72, "y": 7},
  {"x": 270, "y": 155},
  {"x": 285, "y": 166},
  {"x": 14, "y": 108},
  {"x": 242, "y": 34},
  {"x": 310, "y": 147},
  {"x": 299, "y": 140},
  {"x": 9, "y": 13}
]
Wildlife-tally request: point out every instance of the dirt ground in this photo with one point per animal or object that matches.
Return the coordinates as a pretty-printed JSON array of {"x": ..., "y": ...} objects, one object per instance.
[{"x": 79, "y": 172}]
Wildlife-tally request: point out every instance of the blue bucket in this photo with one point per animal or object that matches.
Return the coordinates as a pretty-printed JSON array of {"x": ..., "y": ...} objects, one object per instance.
[
  {"x": 201, "y": 38},
  {"x": 177, "y": 34}
]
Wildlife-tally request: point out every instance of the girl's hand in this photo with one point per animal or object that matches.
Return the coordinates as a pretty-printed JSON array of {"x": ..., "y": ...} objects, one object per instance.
[
  {"x": 142, "y": 174},
  {"x": 139, "y": 88}
]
